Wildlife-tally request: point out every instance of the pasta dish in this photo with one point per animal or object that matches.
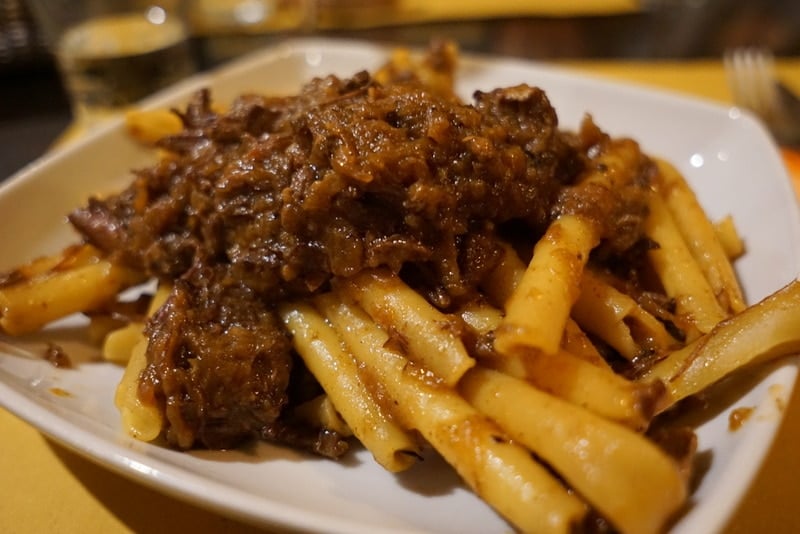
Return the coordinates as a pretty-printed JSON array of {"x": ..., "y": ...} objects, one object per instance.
[{"x": 374, "y": 262}]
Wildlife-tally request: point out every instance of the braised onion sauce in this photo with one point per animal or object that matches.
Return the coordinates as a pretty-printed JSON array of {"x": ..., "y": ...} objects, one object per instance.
[{"x": 277, "y": 196}]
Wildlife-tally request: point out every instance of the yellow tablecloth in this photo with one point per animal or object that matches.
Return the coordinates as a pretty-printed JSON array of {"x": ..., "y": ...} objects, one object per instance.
[
  {"x": 225, "y": 16},
  {"x": 46, "y": 488}
]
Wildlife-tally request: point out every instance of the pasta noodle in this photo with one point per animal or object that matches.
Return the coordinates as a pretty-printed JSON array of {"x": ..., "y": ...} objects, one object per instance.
[
  {"x": 140, "y": 419},
  {"x": 149, "y": 126},
  {"x": 321, "y": 413},
  {"x": 570, "y": 439},
  {"x": 585, "y": 384},
  {"x": 679, "y": 273},
  {"x": 617, "y": 319},
  {"x": 580, "y": 379},
  {"x": 504, "y": 278},
  {"x": 118, "y": 345},
  {"x": 30, "y": 305},
  {"x": 128, "y": 345},
  {"x": 766, "y": 330},
  {"x": 501, "y": 472},
  {"x": 319, "y": 346},
  {"x": 577, "y": 343},
  {"x": 427, "y": 331},
  {"x": 700, "y": 236},
  {"x": 537, "y": 311},
  {"x": 728, "y": 237}
]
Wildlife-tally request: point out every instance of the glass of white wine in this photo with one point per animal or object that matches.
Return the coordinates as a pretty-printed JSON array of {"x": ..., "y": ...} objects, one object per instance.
[{"x": 112, "y": 53}]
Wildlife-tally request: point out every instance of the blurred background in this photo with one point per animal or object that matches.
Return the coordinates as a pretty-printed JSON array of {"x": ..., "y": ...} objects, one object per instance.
[{"x": 34, "y": 109}]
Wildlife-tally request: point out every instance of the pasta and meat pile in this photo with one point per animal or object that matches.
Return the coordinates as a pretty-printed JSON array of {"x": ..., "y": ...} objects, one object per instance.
[{"x": 374, "y": 260}]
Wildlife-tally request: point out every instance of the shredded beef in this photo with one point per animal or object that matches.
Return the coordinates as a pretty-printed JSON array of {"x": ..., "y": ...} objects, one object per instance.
[
  {"x": 280, "y": 194},
  {"x": 219, "y": 362}
]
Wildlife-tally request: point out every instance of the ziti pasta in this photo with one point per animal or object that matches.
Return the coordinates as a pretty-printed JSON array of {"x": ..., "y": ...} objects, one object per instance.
[{"x": 374, "y": 261}]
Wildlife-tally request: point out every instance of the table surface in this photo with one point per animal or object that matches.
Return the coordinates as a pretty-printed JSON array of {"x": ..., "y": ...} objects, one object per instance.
[{"x": 45, "y": 487}]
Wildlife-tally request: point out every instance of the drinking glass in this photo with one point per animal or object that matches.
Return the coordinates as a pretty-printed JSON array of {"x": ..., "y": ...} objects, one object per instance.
[{"x": 112, "y": 53}]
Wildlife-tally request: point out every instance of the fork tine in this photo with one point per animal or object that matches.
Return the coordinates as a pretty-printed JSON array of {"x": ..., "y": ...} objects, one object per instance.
[
  {"x": 763, "y": 66},
  {"x": 734, "y": 75},
  {"x": 751, "y": 78},
  {"x": 754, "y": 86}
]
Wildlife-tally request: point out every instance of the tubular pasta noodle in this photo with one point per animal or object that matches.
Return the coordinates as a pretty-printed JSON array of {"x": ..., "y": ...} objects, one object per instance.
[
  {"x": 68, "y": 258},
  {"x": 699, "y": 234},
  {"x": 729, "y": 237},
  {"x": 484, "y": 319},
  {"x": 499, "y": 471},
  {"x": 585, "y": 380},
  {"x": 764, "y": 331},
  {"x": 504, "y": 278},
  {"x": 537, "y": 310},
  {"x": 28, "y": 306},
  {"x": 604, "y": 462},
  {"x": 128, "y": 345},
  {"x": 101, "y": 325},
  {"x": 148, "y": 126},
  {"x": 337, "y": 372},
  {"x": 576, "y": 342},
  {"x": 682, "y": 278},
  {"x": 618, "y": 320},
  {"x": 426, "y": 330},
  {"x": 595, "y": 388},
  {"x": 141, "y": 420},
  {"x": 539, "y": 307},
  {"x": 321, "y": 413},
  {"x": 481, "y": 317},
  {"x": 118, "y": 344},
  {"x": 500, "y": 285}
]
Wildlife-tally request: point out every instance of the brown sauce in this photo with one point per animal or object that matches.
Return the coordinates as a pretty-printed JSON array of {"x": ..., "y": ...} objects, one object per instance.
[{"x": 279, "y": 195}]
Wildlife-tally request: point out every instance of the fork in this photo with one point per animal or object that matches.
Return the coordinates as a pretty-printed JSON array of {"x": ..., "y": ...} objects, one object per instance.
[{"x": 752, "y": 80}]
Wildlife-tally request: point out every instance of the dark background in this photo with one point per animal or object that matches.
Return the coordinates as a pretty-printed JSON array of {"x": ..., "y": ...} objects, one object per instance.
[{"x": 34, "y": 109}]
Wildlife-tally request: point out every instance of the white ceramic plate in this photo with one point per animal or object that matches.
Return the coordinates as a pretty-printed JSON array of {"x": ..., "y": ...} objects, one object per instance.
[{"x": 726, "y": 155}]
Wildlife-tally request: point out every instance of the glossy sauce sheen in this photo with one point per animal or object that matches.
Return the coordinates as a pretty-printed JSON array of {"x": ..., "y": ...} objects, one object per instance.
[{"x": 279, "y": 195}]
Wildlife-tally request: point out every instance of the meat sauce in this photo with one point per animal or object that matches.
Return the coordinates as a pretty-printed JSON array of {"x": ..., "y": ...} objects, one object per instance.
[{"x": 279, "y": 195}]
